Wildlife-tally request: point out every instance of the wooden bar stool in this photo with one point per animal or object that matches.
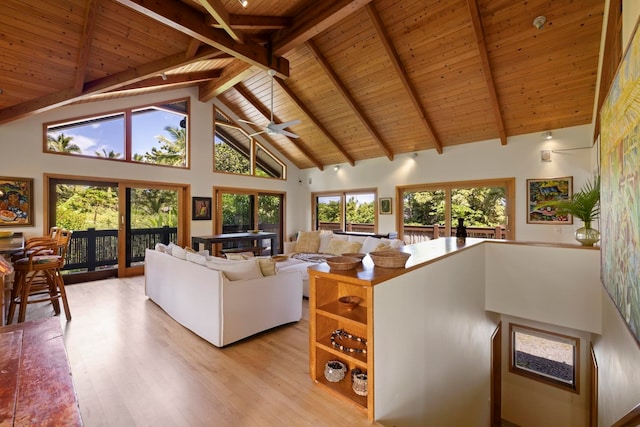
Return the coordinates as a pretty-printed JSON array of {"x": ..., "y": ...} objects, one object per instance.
[{"x": 38, "y": 275}]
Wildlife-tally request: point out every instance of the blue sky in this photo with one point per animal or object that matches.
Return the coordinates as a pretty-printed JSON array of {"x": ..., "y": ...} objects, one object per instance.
[{"x": 108, "y": 134}]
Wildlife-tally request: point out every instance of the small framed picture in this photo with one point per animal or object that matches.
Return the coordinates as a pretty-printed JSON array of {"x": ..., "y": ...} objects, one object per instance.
[
  {"x": 385, "y": 206},
  {"x": 201, "y": 208},
  {"x": 16, "y": 202},
  {"x": 541, "y": 191}
]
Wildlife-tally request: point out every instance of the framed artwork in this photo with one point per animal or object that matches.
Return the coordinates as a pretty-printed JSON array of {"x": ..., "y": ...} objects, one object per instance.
[
  {"x": 620, "y": 189},
  {"x": 542, "y": 191},
  {"x": 16, "y": 201},
  {"x": 201, "y": 208},
  {"x": 385, "y": 205}
]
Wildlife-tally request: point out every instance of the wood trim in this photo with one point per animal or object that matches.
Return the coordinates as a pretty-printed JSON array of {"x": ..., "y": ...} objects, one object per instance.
[
  {"x": 631, "y": 419},
  {"x": 496, "y": 377},
  {"x": 593, "y": 379},
  {"x": 217, "y": 11},
  {"x": 85, "y": 45},
  {"x": 342, "y": 194}
]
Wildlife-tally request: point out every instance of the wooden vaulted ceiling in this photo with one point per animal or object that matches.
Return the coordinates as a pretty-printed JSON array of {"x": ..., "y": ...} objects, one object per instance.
[{"x": 367, "y": 78}]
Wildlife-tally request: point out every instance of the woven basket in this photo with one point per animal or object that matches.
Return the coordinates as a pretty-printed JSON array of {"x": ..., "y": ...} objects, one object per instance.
[
  {"x": 389, "y": 258},
  {"x": 343, "y": 263}
]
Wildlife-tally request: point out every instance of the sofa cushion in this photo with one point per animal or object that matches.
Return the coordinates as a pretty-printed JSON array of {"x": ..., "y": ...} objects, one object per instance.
[
  {"x": 370, "y": 244},
  {"x": 325, "y": 239},
  {"x": 393, "y": 243},
  {"x": 179, "y": 252},
  {"x": 267, "y": 266},
  {"x": 308, "y": 241},
  {"x": 338, "y": 247},
  {"x": 196, "y": 258},
  {"x": 237, "y": 270},
  {"x": 359, "y": 239}
]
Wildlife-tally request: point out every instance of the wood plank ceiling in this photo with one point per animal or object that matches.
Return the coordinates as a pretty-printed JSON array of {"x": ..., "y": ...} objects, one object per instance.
[{"x": 367, "y": 78}]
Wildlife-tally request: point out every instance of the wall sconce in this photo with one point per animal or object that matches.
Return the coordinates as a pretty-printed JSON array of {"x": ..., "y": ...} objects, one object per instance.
[
  {"x": 336, "y": 168},
  {"x": 547, "y": 135},
  {"x": 545, "y": 155}
]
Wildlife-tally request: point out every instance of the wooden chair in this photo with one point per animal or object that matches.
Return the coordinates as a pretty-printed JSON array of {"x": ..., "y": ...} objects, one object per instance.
[{"x": 38, "y": 275}]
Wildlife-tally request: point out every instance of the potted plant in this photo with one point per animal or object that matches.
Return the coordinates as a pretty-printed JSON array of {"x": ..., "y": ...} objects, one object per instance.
[{"x": 585, "y": 205}]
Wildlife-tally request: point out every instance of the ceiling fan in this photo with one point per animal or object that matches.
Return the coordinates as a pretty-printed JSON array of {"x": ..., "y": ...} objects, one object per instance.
[{"x": 273, "y": 128}]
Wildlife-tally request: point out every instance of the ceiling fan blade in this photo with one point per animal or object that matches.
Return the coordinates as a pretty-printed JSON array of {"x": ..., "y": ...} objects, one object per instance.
[
  {"x": 285, "y": 124},
  {"x": 287, "y": 133},
  {"x": 247, "y": 121},
  {"x": 257, "y": 133}
]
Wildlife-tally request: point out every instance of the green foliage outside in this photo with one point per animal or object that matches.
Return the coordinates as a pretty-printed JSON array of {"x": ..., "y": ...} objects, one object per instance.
[
  {"x": 356, "y": 212},
  {"x": 228, "y": 159},
  {"x": 480, "y": 207}
]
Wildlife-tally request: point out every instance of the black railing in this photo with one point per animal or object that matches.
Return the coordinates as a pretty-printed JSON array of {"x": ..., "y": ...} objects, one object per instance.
[{"x": 93, "y": 249}]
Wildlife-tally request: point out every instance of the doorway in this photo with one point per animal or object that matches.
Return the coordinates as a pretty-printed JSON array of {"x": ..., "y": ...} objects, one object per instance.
[{"x": 114, "y": 221}]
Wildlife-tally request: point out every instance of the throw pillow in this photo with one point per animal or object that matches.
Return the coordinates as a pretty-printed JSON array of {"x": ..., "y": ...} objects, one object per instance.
[
  {"x": 239, "y": 255},
  {"x": 196, "y": 258},
  {"x": 179, "y": 252},
  {"x": 160, "y": 247},
  {"x": 393, "y": 243},
  {"x": 169, "y": 248},
  {"x": 308, "y": 241},
  {"x": 237, "y": 270},
  {"x": 325, "y": 239},
  {"x": 267, "y": 266},
  {"x": 338, "y": 247},
  {"x": 370, "y": 244}
]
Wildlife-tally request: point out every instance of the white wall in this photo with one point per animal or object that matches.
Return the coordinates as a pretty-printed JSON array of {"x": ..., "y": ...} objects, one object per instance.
[
  {"x": 432, "y": 340},
  {"x": 520, "y": 158},
  {"x": 22, "y": 156}
]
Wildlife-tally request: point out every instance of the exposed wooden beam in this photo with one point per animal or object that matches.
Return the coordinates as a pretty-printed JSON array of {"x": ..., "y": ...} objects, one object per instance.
[
  {"x": 193, "y": 47},
  {"x": 313, "y": 20},
  {"x": 404, "y": 78},
  {"x": 315, "y": 121},
  {"x": 486, "y": 68},
  {"x": 173, "y": 79},
  {"x": 67, "y": 96},
  {"x": 85, "y": 45},
  {"x": 267, "y": 115},
  {"x": 221, "y": 16},
  {"x": 189, "y": 21},
  {"x": 348, "y": 98},
  {"x": 255, "y": 22},
  {"x": 232, "y": 74}
]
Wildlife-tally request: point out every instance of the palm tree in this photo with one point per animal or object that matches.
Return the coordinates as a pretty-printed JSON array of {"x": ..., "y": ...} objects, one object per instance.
[
  {"x": 62, "y": 144},
  {"x": 110, "y": 155},
  {"x": 173, "y": 150}
]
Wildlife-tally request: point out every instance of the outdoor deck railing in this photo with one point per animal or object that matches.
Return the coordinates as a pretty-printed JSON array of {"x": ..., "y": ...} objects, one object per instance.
[{"x": 421, "y": 233}]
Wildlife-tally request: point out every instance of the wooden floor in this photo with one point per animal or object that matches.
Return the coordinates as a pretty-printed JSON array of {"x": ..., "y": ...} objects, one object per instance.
[{"x": 134, "y": 366}]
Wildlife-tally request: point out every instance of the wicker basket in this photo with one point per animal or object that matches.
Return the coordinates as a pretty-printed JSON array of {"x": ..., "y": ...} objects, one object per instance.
[
  {"x": 389, "y": 258},
  {"x": 343, "y": 263},
  {"x": 334, "y": 371}
]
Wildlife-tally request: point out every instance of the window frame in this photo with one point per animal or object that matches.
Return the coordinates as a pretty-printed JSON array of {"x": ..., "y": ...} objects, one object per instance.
[
  {"x": 540, "y": 377},
  {"x": 127, "y": 114}
]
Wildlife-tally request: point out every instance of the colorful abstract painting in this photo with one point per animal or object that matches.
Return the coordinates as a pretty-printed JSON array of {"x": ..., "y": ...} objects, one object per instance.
[
  {"x": 542, "y": 191},
  {"x": 620, "y": 188}
]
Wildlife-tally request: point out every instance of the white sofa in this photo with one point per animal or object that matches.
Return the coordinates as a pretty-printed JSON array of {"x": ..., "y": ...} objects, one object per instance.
[{"x": 217, "y": 309}]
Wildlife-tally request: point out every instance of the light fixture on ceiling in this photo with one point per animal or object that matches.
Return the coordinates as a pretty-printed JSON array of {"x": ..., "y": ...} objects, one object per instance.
[
  {"x": 244, "y": 3},
  {"x": 336, "y": 168},
  {"x": 539, "y": 21},
  {"x": 547, "y": 135},
  {"x": 413, "y": 155},
  {"x": 164, "y": 76}
]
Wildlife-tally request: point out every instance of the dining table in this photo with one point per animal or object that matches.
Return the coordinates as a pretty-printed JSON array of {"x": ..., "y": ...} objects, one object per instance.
[{"x": 254, "y": 238}]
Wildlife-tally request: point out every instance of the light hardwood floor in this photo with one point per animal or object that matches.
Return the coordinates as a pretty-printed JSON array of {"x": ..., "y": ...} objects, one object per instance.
[{"x": 134, "y": 366}]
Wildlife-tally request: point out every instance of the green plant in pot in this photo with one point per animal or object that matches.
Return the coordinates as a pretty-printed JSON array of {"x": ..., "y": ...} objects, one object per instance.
[{"x": 584, "y": 205}]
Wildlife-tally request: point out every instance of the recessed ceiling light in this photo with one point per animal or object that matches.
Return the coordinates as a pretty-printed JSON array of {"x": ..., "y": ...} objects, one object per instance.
[{"x": 244, "y": 3}]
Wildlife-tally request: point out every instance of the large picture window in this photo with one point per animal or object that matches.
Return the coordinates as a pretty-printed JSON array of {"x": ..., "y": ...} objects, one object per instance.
[{"x": 154, "y": 134}]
